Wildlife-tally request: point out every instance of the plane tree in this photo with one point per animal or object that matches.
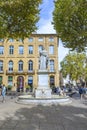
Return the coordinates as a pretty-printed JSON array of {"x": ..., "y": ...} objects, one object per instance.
[
  {"x": 74, "y": 65},
  {"x": 70, "y": 22},
  {"x": 18, "y": 18}
]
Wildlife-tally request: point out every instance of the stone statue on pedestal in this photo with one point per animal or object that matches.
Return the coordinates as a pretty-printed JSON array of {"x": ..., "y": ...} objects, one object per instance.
[
  {"x": 43, "y": 90},
  {"x": 43, "y": 60}
]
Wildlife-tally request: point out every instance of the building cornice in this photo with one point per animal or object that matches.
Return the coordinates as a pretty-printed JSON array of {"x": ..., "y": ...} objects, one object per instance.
[{"x": 38, "y": 34}]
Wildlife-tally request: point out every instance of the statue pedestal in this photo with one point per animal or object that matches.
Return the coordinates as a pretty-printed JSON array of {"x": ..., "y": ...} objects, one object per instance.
[{"x": 43, "y": 90}]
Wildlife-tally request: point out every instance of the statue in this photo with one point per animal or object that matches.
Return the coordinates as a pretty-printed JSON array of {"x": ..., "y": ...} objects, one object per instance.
[{"x": 43, "y": 60}]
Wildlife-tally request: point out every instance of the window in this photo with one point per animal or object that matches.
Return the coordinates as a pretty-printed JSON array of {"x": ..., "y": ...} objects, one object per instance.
[
  {"x": 11, "y": 49},
  {"x": 52, "y": 82},
  {"x": 40, "y": 48},
  {"x": 21, "y": 50},
  {"x": 30, "y": 49},
  {"x": 10, "y": 66},
  {"x": 10, "y": 80},
  {"x": 1, "y": 80},
  {"x": 30, "y": 65},
  {"x": 11, "y": 40},
  {"x": 1, "y": 40},
  {"x": 30, "y": 81},
  {"x": 51, "y": 65},
  {"x": 30, "y": 39},
  {"x": 1, "y": 50},
  {"x": 20, "y": 66},
  {"x": 51, "y": 49},
  {"x": 1, "y": 66},
  {"x": 51, "y": 39},
  {"x": 40, "y": 39}
]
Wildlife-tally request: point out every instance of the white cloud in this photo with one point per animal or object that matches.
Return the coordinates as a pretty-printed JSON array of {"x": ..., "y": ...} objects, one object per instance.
[
  {"x": 45, "y": 3},
  {"x": 46, "y": 27}
]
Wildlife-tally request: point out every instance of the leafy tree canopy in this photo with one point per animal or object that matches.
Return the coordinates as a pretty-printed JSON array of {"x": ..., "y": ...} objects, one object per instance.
[
  {"x": 74, "y": 65},
  {"x": 18, "y": 18},
  {"x": 70, "y": 22}
]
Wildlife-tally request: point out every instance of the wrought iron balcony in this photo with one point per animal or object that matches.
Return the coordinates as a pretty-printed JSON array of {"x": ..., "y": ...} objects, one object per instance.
[
  {"x": 17, "y": 72},
  {"x": 52, "y": 71},
  {"x": 31, "y": 71},
  {"x": 9, "y": 72}
]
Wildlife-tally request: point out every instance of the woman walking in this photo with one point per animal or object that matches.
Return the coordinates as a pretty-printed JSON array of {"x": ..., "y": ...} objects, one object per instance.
[{"x": 3, "y": 93}]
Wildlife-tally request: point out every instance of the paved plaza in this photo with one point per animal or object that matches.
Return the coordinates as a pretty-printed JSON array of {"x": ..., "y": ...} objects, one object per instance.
[{"x": 71, "y": 116}]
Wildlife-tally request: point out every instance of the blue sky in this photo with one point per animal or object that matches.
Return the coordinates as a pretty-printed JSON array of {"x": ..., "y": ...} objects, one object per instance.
[{"x": 45, "y": 25}]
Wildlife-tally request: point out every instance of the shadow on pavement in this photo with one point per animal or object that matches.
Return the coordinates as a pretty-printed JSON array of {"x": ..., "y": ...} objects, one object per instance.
[{"x": 55, "y": 117}]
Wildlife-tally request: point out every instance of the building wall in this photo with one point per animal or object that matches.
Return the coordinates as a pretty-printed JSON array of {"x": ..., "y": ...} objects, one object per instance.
[{"x": 26, "y": 57}]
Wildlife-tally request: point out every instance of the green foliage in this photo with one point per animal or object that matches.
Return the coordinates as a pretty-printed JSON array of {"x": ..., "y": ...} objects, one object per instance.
[
  {"x": 27, "y": 87},
  {"x": 74, "y": 65},
  {"x": 0, "y": 82},
  {"x": 70, "y": 22},
  {"x": 18, "y": 18},
  {"x": 9, "y": 87}
]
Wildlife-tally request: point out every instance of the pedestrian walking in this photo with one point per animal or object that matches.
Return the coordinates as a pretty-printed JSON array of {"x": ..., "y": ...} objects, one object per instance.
[
  {"x": 3, "y": 93},
  {"x": 82, "y": 92}
]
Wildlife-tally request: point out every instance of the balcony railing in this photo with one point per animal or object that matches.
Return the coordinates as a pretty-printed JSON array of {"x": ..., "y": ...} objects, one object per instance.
[
  {"x": 52, "y": 71},
  {"x": 10, "y": 72},
  {"x": 25, "y": 72},
  {"x": 31, "y": 71},
  {"x": 17, "y": 72}
]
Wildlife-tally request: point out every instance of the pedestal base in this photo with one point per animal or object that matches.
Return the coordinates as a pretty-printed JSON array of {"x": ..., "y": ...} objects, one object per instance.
[
  {"x": 43, "y": 90},
  {"x": 43, "y": 93},
  {"x": 43, "y": 80}
]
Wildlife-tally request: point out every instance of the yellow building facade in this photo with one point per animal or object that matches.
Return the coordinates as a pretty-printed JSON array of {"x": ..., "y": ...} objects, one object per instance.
[{"x": 19, "y": 61}]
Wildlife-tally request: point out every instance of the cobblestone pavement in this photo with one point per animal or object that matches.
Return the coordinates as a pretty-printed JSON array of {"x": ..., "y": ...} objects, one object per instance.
[{"x": 71, "y": 116}]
